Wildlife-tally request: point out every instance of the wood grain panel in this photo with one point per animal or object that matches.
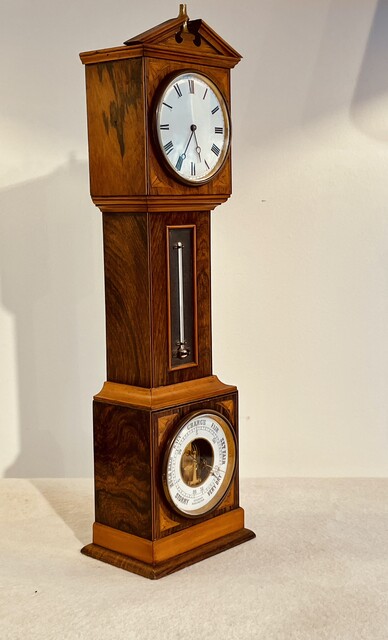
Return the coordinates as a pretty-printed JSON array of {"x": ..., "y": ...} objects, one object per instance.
[
  {"x": 122, "y": 469},
  {"x": 135, "y": 254},
  {"x": 127, "y": 299},
  {"x": 165, "y": 522},
  {"x": 230, "y": 498},
  {"x": 116, "y": 131},
  {"x": 229, "y": 406},
  {"x": 164, "y": 422},
  {"x": 160, "y": 327}
]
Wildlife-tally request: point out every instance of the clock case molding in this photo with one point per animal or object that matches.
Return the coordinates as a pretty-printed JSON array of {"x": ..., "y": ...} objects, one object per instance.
[
  {"x": 140, "y": 406},
  {"x": 121, "y": 85}
]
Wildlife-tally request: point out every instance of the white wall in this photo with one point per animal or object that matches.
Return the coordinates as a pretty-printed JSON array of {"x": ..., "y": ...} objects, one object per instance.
[{"x": 300, "y": 252}]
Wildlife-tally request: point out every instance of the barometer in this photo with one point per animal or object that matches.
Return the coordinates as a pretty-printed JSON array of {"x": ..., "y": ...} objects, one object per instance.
[
  {"x": 199, "y": 463},
  {"x": 165, "y": 428}
]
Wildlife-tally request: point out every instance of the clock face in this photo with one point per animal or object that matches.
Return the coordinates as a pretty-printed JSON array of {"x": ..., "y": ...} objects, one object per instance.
[
  {"x": 192, "y": 127},
  {"x": 199, "y": 464}
]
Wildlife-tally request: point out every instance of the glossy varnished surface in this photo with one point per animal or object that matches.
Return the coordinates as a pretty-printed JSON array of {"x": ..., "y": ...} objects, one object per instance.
[
  {"x": 145, "y": 397},
  {"x": 163, "y": 397},
  {"x": 162, "y": 375},
  {"x": 136, "y": 285},
  {"x": 159, "y": 570},
  {"x": 171, "y": 39},
  {"x": 129, "y": 450},
  {"x": 123, "y": 155},
  {"x": 127, "y": 299},
  {"x": 122, "y": 469},
  {"x": 117, "y": 136},
  {"x": 165, "y": 548}
]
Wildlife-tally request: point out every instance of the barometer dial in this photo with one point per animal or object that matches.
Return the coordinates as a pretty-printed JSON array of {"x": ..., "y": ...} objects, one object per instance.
[{"x": 199, "y": 463}]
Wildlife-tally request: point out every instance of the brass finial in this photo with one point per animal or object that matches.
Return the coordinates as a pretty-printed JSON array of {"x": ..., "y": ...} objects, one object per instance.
[
  {"x": 183, "y": 14},
  {"x": 183, "y": 11}
]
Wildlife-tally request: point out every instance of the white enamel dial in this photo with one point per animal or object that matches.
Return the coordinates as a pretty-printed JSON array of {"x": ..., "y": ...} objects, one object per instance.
[
  {"x": 200, "y": 463},
  {"x": 192, "y": 127}
]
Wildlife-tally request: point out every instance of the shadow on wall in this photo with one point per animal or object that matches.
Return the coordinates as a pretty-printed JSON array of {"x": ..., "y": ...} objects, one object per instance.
[
  {"x": 52, "y": 285},
  {"x": 339, "y": 76},
  {"x": 372, "y": 83}
]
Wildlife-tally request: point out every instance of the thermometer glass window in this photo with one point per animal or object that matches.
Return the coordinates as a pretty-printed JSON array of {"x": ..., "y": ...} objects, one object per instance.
[{"x": 181, "y": 286}]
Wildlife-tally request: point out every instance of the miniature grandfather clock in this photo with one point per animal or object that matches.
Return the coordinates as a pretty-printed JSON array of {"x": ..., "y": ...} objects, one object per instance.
[{"x": 165, "y": 428}]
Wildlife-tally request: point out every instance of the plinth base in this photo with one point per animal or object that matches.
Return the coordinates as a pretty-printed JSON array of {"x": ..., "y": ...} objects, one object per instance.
[{"x": 161, "y": 569}]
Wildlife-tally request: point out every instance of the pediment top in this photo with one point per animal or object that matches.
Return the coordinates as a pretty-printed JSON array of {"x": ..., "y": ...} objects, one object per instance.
[
  {"x": 185, "y": 32},
  {"x": 179, "y": 38}
]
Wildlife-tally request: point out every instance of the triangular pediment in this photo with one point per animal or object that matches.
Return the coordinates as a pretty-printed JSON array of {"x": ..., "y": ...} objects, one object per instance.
[{"x": 187, "y": 35}]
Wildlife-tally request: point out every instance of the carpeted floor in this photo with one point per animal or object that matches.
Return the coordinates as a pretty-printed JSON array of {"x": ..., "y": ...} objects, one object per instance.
[{"x": 318, "y": 569}]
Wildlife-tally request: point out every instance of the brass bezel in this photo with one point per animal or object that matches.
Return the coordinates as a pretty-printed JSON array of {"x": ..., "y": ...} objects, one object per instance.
[{"x": 229, "y": 474}]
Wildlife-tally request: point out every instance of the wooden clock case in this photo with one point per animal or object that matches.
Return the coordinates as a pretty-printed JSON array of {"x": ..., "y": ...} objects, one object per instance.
[{"x": 145, "y": 397}]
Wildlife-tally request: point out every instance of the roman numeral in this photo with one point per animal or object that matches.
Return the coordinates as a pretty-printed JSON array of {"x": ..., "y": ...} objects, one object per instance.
[
  {"x": 167, "y": 105},
  {"x": 191, "y": 86},
  {"x": 218, "y": 129},
  {"x": 215, "y": 149},
  {"x": 177, "y": 89},
  {"x": 164, "y": 127},
  {"x": 178, "y": 165},
  {"x": 168, "y": 147},
  {"x": 215, "y": 110},
  {"x": 193, "y": 168},
  {"x": 207, "y": 165},
  {"x": 204, "y": 95}
]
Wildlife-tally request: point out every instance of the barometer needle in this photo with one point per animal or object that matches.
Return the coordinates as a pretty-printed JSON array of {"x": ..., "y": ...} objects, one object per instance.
[{"x": 205, "y": 464}]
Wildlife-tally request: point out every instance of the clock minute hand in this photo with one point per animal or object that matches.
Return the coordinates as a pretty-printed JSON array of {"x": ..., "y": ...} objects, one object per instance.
[
  {"x": 189, "y": 140},
  {"x": 183, "y": 155},
  {"x": 193, "y": 128},
  {"x": 197, "y": 148}
]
